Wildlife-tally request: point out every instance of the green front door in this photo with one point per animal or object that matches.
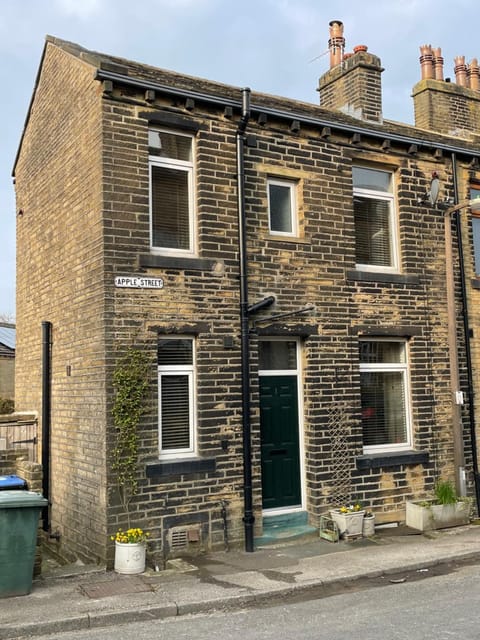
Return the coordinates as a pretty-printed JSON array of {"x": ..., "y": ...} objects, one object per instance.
[{"x": 280, "y": 444}]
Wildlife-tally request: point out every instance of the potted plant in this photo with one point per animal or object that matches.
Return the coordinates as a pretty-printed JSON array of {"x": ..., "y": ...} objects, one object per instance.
[
  {"x": 444, "y": 510},
  {"x": 368, "y": 524},
  {"x": 349, "y": 519},
  {"x": 130, "y": 550},
  {"x": 130, "y": 381}
]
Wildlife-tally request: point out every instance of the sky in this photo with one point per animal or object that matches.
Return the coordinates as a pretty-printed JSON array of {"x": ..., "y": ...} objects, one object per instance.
[{"x": 272, "y": 46}]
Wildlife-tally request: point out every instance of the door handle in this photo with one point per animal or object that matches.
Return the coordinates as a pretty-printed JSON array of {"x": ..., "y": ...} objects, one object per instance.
[{"x": 278, "y": 452}]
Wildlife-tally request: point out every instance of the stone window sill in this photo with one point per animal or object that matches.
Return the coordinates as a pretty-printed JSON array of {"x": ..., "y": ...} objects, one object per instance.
[
  {"x": 161, "y": 468},
  {"x": 378, "y": 276},
  {"x": 154, "y": 261},
  {"x": 391, "y": 459}
]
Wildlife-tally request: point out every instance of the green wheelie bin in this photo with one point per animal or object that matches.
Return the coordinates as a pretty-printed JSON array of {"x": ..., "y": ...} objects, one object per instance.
[{"x": 19, "y": 515}]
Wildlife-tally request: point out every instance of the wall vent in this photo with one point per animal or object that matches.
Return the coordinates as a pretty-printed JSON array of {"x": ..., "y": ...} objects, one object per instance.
[
  {"x": 178, "y": 539},
  {"x": 184, "y": 538}
]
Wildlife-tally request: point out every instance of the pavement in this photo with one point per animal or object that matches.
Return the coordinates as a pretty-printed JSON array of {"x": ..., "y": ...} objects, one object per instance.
[{"x": 76, "y": 597}]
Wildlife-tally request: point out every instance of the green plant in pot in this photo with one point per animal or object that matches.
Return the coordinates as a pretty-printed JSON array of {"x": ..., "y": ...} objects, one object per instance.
[
  {"x": 445, "y": 492},
  {"x": 444, "y": 510},
  {"x": 130, "y": 383}
]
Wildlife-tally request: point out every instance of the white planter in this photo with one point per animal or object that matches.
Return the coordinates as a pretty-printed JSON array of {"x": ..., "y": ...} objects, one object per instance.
[
  {"x": 130, "y": 557},
  {"x": 368, "y": 529},
  {"x": 436, "y": 516},
  {"x": 349, "y": 524}
]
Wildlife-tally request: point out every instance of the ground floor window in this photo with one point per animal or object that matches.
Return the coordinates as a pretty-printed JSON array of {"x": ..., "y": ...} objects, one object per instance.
[
  {"x": 176, "y": 385},
  {"x": 384, "y": 395}
]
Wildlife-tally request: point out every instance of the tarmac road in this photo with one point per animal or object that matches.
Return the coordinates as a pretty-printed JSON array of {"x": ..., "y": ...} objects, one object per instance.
[{"x": 441, "y": 608}]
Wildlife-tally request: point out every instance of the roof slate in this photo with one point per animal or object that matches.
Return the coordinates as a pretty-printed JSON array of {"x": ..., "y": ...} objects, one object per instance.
[{"x": 7, "y": 337}]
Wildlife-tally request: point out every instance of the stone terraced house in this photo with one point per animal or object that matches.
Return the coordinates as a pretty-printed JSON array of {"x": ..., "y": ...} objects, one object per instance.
[{"x": 293, "y": 273}]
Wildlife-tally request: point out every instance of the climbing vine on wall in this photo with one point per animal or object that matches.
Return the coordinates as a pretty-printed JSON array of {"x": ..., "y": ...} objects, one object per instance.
[{"x": 130, "y": 382}]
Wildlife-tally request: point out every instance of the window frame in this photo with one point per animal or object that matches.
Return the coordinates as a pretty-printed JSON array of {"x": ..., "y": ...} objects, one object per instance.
[
  {"x": 389, "y": 197},
  {"x": 395, "y": 367},
  {"x": 474, "y": 195},
  {"x": 292, "y": 186},
  {"x": 187, "y": 166},
  {"x": 188, "y": 370}
]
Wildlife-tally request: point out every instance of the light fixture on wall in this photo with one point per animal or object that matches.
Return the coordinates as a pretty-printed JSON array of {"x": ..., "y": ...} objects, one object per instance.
[{"x": 432, "y": 192}]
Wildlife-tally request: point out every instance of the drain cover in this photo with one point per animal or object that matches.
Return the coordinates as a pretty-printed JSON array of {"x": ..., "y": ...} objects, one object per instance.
[{"x": 121, "y": 586}]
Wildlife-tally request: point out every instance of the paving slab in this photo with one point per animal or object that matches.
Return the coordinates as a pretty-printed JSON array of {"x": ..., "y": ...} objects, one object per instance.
[{"x": 79, "y": 597}]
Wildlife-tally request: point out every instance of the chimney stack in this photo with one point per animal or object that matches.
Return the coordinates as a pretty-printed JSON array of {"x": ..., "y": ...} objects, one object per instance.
[
  {"x": 352, "y": 85},
  {"x": 452, "y": 108}
]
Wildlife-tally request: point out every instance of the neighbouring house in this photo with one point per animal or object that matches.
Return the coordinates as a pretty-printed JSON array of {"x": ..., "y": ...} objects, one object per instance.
[
  {"x": 295, "y": 273},
  {"x": 7, "y": 361}
]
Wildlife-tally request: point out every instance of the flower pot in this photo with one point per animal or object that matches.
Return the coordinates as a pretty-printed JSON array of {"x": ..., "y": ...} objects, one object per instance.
[
  {"x": 130, "y": 557},
  {"x": 426, "y": 515},
  {"x": 349, "y": 524},
  {"x": 368, "y": 528}
]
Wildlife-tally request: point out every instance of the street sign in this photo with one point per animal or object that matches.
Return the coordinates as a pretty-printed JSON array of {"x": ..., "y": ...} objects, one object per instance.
[{"x": 138, "y": 282}]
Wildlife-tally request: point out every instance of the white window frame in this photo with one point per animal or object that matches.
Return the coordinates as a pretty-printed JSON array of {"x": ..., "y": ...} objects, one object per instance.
[
  {"x": 178, "y": 165},
  {"x": 476, "y": 243},
  {"x": 474, "y": 195},
  {"x": 392, "y": 221},
  {"x": 398, "y": 367},
  {"x": 292, "y": 186},
  {"x": 190, "y": 372}
]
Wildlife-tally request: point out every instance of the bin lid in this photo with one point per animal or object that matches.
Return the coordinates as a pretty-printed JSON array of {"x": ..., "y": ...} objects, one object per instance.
[
  {"x": 11, "y": 481},
  {"x": 15, "y": 498}
]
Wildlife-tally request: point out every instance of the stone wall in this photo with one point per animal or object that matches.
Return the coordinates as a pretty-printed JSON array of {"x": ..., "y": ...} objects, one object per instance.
[
  {"x": 85, "y": 202},
  {"x": 60, "y": 280}
]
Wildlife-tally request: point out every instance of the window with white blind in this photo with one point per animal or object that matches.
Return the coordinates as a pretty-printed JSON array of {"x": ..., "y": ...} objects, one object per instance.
[
  {"x": 176, "y": 391},
  {"x": 385, "y": 395},
  {"x": 474, "y": 194},
  {"x": 375, "y": 223},
  {"x": 282, "y": 207},
  {"x": 171, "y": 192}
]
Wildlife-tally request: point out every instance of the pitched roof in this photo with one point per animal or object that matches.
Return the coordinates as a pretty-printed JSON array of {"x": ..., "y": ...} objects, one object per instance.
[
  {"x": 108, "y": 67},
  {"x": 7, "y": 336}
]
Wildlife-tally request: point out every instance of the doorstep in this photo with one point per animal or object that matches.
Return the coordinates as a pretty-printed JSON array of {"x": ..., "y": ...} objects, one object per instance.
[{"x": 285, "y": 527}]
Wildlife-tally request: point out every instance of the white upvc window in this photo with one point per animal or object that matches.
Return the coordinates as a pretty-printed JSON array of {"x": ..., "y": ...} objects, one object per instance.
[
  {"x": 385, "y": 395},
  {"x": 376, "y": 236},
  {"x": 172, "y": 227},
  {"x": 176, "y": 396},
  {"x": 474, "y": 194},
  {"x": 282, "y": 207}
]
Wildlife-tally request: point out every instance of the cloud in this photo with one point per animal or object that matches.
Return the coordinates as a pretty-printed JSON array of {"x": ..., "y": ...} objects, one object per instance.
[{"x": 83, "y": 9}]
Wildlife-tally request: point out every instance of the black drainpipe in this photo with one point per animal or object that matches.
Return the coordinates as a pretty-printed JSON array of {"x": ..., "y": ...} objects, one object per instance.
[
  {"x": 467, "y": 333},
  {"x": 248, "y": 517},
  {"x": 46, "y": 418}
]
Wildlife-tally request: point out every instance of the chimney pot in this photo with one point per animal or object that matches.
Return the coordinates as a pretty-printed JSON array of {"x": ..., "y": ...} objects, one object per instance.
[
  {"x": 336, "y": 43},
  {"x": 437, "y": 63},
  {"x": 426, "y": 61},
  {"x": 461, "y": 71},
  {"x": 474, "y": 75}
]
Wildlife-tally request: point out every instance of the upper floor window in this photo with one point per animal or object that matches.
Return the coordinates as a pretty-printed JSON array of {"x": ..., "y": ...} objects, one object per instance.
[
  {"x": 375, "y": 223},
  {"x": 282, "y": 214},
  {"x": 176, "y": 396},
  {"x": 171, "y": 192},
  {"x": 474, "y": 194},
  {"x": 385, "y": 397}
]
